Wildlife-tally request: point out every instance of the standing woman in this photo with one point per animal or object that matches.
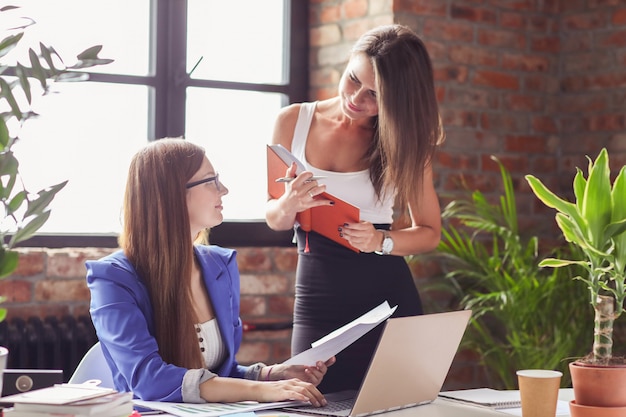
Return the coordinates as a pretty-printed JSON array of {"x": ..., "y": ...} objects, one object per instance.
[
  {"x": 375, "y": 144},
  {"x": 166, "y": 310}
]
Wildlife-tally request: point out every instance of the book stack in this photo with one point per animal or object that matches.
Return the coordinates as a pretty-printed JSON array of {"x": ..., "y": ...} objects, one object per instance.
[{"x": 70, "y": 400}]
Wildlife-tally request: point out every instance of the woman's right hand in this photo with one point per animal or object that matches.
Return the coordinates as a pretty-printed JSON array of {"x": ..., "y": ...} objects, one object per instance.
[
  {"x": 290, "y": 389},
  {"x": 300, "y": 193}
]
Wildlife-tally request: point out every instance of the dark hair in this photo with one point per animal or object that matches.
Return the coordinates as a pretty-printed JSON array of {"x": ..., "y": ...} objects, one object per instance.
[
  {"x": 409, "y": 126},
  {"x": 157, "y": 240}
]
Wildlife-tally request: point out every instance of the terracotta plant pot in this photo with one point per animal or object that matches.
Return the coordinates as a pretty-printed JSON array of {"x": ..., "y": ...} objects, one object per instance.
[
  {"x": 577, "y": 410},
  {"x": 598, "y": 386}
]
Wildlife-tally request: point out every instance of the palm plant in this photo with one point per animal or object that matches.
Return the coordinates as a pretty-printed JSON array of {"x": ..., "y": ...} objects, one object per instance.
[
  {"x": 26, "y": 212},
  {"x": 519, "y": 320},
  {"x": 595, "y": 223}
]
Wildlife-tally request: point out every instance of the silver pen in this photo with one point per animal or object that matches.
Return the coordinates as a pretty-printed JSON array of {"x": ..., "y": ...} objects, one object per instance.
[{"x": 289, "y": 179}]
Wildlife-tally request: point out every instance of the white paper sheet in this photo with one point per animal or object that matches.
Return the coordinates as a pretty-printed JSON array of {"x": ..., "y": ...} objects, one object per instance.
[{"x": 336, "y": 341}]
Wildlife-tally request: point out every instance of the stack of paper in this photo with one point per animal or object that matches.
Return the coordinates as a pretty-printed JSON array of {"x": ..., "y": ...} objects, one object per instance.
[{"x": 70, "y": 400}]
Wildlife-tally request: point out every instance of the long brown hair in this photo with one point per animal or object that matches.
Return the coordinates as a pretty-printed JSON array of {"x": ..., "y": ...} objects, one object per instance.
[
  {"x": 409, "y": 126},
  {"x": 157, "y": 240}
]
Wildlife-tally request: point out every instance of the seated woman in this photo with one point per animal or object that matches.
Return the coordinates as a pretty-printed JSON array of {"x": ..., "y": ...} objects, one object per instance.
[{"x": 166, "y": 309}]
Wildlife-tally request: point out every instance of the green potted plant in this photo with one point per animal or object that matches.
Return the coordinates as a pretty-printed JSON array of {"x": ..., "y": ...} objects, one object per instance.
[
  {"x": 596, "y": 223},
  {"x": 491, "y": 266},
  {"x": 25, "y": 212}
]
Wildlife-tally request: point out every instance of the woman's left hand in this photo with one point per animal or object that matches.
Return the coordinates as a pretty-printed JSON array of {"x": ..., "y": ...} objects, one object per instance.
[
  {"x": 312, "y": 374},
  {"x": 362, "y": 236}
]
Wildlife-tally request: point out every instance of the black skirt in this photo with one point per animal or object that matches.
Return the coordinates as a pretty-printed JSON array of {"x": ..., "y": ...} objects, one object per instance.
[{"x": 334, "y": 286}]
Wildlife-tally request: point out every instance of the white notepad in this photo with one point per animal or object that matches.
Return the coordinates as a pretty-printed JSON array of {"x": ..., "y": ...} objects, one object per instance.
[{"x": 485, "y": 397}]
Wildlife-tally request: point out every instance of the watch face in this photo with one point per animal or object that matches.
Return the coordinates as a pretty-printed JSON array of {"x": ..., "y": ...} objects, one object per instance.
[{"x": 387, "y": 245}]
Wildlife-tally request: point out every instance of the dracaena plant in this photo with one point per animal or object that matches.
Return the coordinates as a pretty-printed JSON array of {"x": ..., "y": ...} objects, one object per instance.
[
  {"x": 596, "y": 223},
  {"x": 25, "y": 212}
]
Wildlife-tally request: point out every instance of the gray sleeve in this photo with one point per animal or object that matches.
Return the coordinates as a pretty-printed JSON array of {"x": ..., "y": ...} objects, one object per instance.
[
  {"x": 254, "y": 371},
  {"x": 191, "y": 384}
]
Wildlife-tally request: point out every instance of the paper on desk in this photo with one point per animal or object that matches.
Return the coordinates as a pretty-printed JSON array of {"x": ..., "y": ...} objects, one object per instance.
[
  {"x": 213, "y": 409},
  {"x": 336, "y": 341}
]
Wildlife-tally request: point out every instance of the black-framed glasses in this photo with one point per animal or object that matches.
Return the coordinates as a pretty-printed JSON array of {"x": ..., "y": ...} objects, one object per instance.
[{"x": 216, "y": 178}]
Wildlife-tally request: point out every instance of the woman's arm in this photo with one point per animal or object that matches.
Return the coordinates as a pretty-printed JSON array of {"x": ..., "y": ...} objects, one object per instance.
[
  {"x": 422, "y": 236},
  {"x": 280, "y": 213}
]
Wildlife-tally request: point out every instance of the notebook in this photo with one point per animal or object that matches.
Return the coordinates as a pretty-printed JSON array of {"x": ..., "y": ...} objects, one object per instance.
[
  {"x": 408, "y": 368},
  {"x": 485, "y": 397},
  {"x": 324, "y": 220}
]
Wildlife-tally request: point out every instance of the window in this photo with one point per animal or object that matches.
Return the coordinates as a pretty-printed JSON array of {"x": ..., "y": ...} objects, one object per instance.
[{"x": 216, "y": 72}]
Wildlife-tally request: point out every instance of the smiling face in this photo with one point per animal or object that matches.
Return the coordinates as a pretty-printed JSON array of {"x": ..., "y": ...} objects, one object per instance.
[
  {"x": 357, "y": 88},
  {"x": 204, "y": 198}
]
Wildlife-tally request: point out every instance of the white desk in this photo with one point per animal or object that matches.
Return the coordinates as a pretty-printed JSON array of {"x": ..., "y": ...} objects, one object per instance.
[{"x": 438, "y": 408}]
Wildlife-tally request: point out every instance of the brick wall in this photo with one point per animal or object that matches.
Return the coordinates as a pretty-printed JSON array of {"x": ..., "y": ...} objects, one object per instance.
[{"x": 538, "y": 83}]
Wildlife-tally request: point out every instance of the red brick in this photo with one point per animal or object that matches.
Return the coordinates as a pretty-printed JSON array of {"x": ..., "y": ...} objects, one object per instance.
[
  {"x": 615, "y": 38},
  {"x": 420, "y": 7},
  {"x": 507, "y": 122},
  {"x": 472, "y": 55},
  {"x": 550, "y": 44},
  {"x": 619, "y": 17},
  {"x": 512, "y": 20},
  {"x": 70, "y": 263},
  {"x": 472, "y": 14},
  {"x": 16, "y": 291},
  {"x": 325, "y": 35},
  {"x": 459, "y": 117},
  {"x": 252, "y": 305},
  {"x": 527, "y": 62},
  {"x": 524, "y": 102},
  {"x": 450, "y": 31},
  {"x": 250, "y": 353},
  {"x": 281, "y": 305},
  {"x": 455, "y": 73},
  {"x": 610, "y": 122},
  {"x": 353, "y": 9},
  {"x": 585, "y": 21},
  {"x": 474, "y": 98},
  {"x": 62, "y": 290},
  {"x": 480, "y": 182},
  {"x": 330, "y": 14},
  {"x": 37, "y": 310},
  {"x": 544, "y": 124},
  {"x": 514, "y": 164},
  {"x": 31, "y": 262},
  {"x": 502, "y": 38},
  {"x": 285, "y": 259},
  {"x": 460, "y": 161},
  {"x": 541, "y": 83},
  {"x": 253, "y": 259},
  {"x": 264, "y": 284},
  {"x": 496, "y": 79},
  {"x": 526, "y": 144}
]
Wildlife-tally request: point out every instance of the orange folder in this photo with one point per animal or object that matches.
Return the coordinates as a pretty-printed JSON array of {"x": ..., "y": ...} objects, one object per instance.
[{"x": 324, "y": 220}]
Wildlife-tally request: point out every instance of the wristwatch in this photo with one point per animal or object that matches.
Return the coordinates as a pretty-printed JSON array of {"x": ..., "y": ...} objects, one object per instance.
[{"x": 387, "y": 246}]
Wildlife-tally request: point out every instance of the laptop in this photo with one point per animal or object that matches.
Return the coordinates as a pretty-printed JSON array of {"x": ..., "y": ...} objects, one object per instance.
[{"x": 408, "y": 368}]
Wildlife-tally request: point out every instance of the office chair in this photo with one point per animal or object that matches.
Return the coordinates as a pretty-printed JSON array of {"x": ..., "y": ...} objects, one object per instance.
[{"x": 93, "y": 366}]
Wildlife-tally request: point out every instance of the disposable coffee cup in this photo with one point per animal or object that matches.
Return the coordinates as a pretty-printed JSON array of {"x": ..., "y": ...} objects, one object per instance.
[{"x": 539, "y": 391}]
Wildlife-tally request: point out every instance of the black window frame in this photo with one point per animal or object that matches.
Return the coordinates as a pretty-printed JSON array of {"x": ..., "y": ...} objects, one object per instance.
[{"x": 169, "y": 81}]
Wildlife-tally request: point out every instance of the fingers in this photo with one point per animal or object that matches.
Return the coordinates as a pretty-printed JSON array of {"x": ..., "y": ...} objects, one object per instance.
[{"x": 304, "y": 391}]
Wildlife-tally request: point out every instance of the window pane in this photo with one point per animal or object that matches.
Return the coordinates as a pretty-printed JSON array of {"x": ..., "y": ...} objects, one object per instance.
[
  {"x": 234, "y": 127},
  {"x": 246, "y": 49},
  {"x": 122, "y": 27},
  {"x": 86, "y": 134}
]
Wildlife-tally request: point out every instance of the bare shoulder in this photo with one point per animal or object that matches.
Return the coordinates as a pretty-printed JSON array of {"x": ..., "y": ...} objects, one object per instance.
[{"x": 285, "y": 125}]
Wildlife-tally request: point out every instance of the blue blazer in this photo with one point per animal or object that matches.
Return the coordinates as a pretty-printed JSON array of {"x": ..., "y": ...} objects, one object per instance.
[{"x": 122, "y": 316}]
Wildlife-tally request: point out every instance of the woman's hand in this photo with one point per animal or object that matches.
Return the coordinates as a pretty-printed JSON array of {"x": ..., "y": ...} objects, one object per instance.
[
  {"x": 291, "y": 389},
  {"x": 312, "y": 374},
  {"x": 300, "y": 193},
  {"x": 362, "y": 236}
]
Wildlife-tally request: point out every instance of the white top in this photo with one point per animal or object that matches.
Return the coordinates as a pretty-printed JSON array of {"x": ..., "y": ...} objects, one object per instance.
[
  {"x": 353, "y": 187},
  {"x": 211, "y": 344}
]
